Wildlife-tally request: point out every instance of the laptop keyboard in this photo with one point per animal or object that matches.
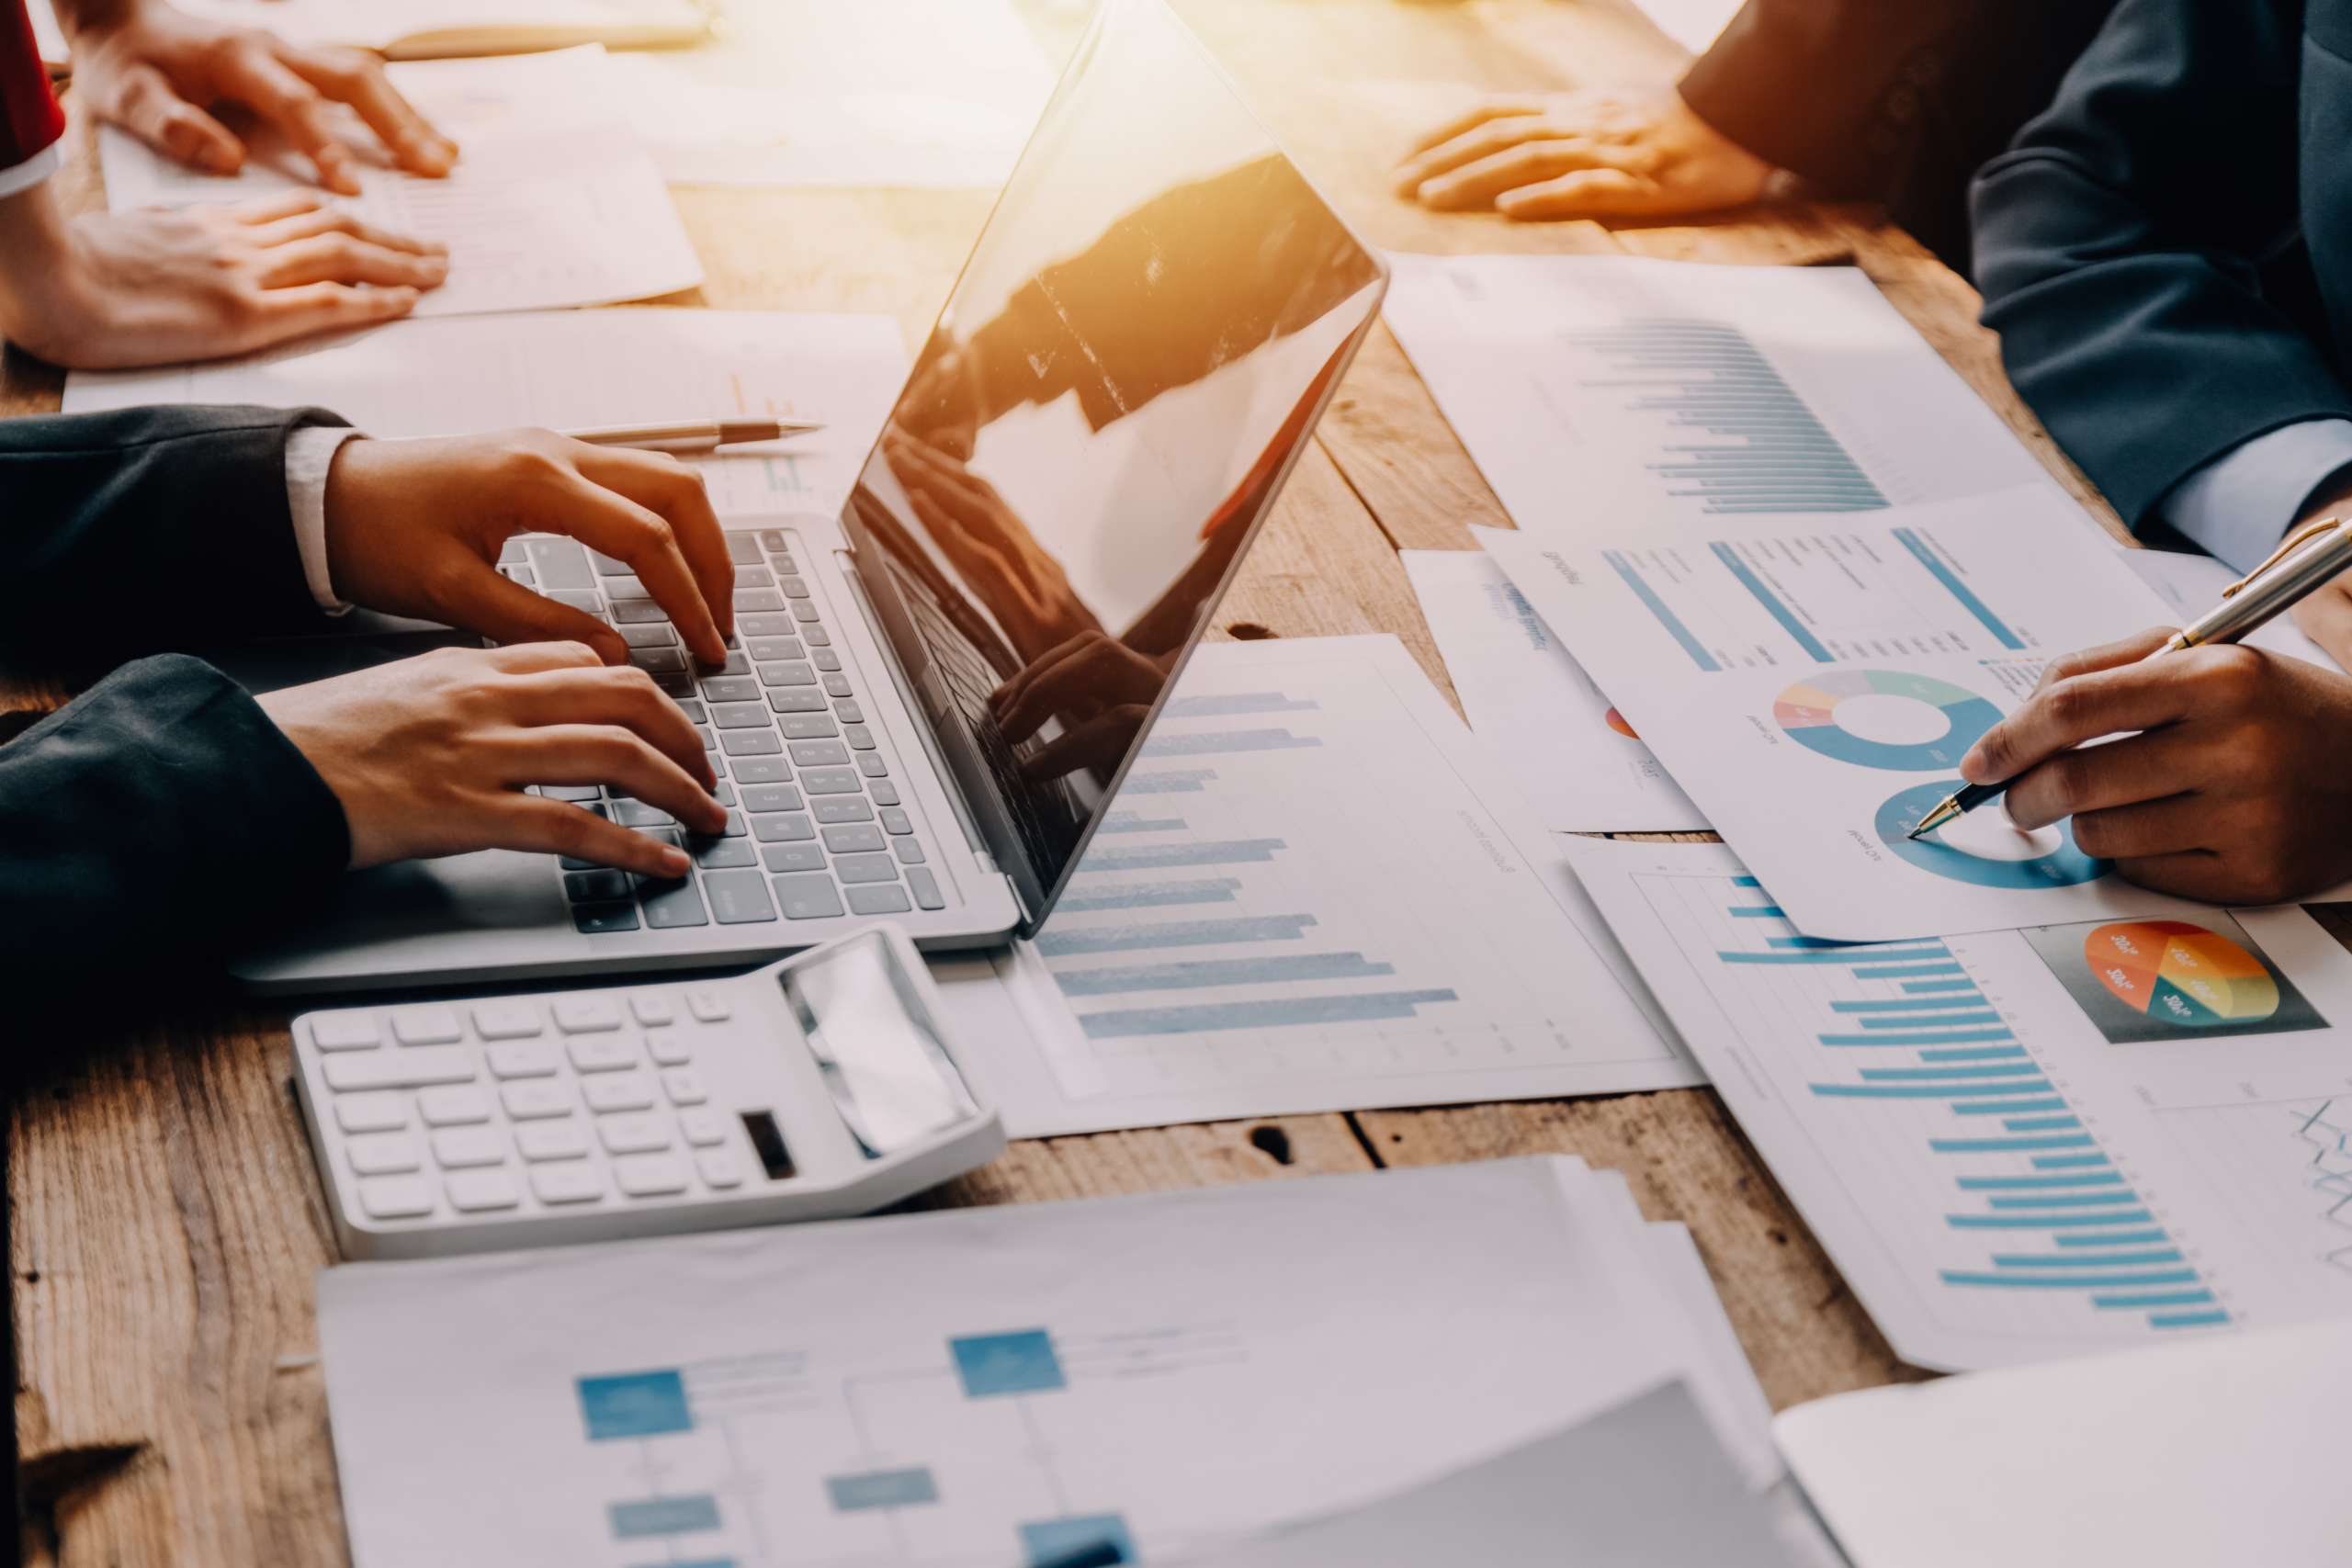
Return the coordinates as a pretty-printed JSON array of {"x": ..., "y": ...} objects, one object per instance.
[{"x": 816, "y": 826}]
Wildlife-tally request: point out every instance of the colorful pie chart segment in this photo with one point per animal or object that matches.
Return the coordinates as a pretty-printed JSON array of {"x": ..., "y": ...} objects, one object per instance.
[
  {"x": 2060, "y": 864},
  {"x": 2179, "y": 973},
  {"x": 1807, "y": 712},
  {"x": 1616, "y": 721}
]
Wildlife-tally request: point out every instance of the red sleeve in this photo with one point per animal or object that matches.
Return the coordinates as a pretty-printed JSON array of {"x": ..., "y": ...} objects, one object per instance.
[{"x": 29, "y": 118}]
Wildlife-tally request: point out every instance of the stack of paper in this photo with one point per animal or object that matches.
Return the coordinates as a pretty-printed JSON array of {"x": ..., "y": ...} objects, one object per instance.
[
  {"x": 1103, "y": 1381},
  {"x": 553, "y": 202}
]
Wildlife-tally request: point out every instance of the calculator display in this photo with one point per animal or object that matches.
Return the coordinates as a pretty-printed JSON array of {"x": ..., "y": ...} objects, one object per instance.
[{"x": 876, "y": 1044}]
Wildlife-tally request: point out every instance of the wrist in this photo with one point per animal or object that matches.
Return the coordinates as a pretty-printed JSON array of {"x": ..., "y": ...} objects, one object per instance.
[{"x": 45, "y": 306}]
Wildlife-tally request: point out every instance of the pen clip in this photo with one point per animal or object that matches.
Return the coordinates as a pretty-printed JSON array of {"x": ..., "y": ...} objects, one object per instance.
[{"x": 2286, "y": 547}]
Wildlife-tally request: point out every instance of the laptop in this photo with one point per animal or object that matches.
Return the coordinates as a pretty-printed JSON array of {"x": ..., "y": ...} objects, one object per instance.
[{"x": 934, "y": 694}]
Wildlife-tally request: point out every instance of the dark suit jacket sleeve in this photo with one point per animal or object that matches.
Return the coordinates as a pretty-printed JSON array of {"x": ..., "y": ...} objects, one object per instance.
[
  {"x": 155, "y": 821},
  {"x": 148, "y": 528},
  {"x": 2121, "y": 247}
]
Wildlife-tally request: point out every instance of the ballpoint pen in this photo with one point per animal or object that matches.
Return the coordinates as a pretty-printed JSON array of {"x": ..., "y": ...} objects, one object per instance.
[
  {"x": 690, "y": 435},
  {"x": 2308, "y": 557}
]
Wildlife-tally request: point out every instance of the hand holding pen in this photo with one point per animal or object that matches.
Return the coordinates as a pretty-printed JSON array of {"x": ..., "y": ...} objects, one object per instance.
[{"x": 2233, "y": 782}]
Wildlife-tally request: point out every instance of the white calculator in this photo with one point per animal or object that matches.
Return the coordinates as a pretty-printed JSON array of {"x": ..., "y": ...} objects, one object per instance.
[{"x": 817, "y": 1088}]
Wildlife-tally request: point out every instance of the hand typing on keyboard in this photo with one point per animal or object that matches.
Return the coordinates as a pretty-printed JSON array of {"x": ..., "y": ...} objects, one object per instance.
[
  {"x": 430, "y": 756},
  {"x": 416, "y": 528}
]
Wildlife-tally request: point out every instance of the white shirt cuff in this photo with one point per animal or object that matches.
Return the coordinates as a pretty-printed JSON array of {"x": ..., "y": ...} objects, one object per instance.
[
  {"x": 310, "y": 453},
  {"x": 2240, "y": 504},
  {"x": 32, "y": 171}
]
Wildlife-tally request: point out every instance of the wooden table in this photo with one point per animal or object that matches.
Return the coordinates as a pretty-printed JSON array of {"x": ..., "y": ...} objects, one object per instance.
[{"x": 167, "y": 1221}]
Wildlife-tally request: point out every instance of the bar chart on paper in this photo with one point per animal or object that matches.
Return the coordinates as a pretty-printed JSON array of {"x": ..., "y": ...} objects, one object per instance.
[{"x": 1297, "y": 889}]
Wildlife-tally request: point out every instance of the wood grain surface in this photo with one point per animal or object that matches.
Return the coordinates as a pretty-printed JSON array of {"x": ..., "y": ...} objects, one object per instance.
[{"x": 167, "y": 1223}]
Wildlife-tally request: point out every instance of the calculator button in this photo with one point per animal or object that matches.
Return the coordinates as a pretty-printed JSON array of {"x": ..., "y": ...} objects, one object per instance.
[
  {"x": 652, "y": 1009},
  {"x": 475, "y": 1190},
  {"x": 650, "y": 1175},
  {"x": 668, "y": 1047},
  {"x": 633, "y": 1134},
  {"x": 461, "y": 1147},
  {"x": 395, "y": 1197},
  {"x": 604, "y": 1054},
  {"x": 453, "y": 1106},
  {"x": 807, "y": 897},
  {"x": 703, "y": 1126},
  {"x": 567, "y": 1183},
  {"x": 344, "y": 1030},
  {"x": 619, "y": 1092},
  {"x": 551, "y": 1140},
  {"x": 426, "y": 1026},
  {"x": 586, "y": 1015},
  {"x": 708, "y": 1005},
  {"x": 399, "y": 1069},
  {"x": 383, "y": 1153},
  {"x": 719, "y": 1167},
  {"x": 535, "y": 1100},
  {"x": 506, "y": 1021},
  {"x": 371, "y": 1113},
  {"x": 521, "y": 1059},
  {"x": 684, "y": 1086}
]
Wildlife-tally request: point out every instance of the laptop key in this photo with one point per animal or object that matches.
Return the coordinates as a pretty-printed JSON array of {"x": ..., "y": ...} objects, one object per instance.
[
  {"x": 825, "y": 658},
  {"x": 829, "y": 780},
  {"x": 866, "y": 868},
  {"x": 872, "y": 765},
  {"x": 585, "y": 602},
  {"x": 848, "y": 712},
  {"x": 837, "y": 686},
  {"x": 743, "y": 550},
  {"x": 815, "y": 636},
  {"x": 658, "y": 661},
  {"x": 511, "y": 553},
  {"x": 648, "y": 634},
  {"x": 671, "y": 905},
  {"x": 771, "y": 797},
  {"x": 794, "y": 588},
  {"x": 607, "y": 567},
  {"x": 752, "y": 743},
  {"x": 851, "y": 838},
  {"x": 807, "y": 897},
  {"x": 789, "y": 672},
  {"x": 757, "y": 577},
  {"x": 638, "y": 611},
  {"x": 674, "y": 683},
  {"x": 716, "y": 853},
  {"x": 738, "y": 897},
  {"x": 806, "y": 614},
  {"x": 890, "y": 899},
  {"x": 559, "y": 562},
  {"x": 884, "y": 791},
  {"x": 595, "y": 887},
  {"x": 926, "y": 887},
  {"x": 766, "y": 626},
  {"x": 859, "y": 736},
  {"x": 812, "y": 743},
  {"x": 627, "y": 587},
  {"x": 783, "y": 828},
  {"x": 909, "y": 851},
  {"x": 844, "y": 808},
  {"x": 809, "y": 856},
  {"x": 636, "y": 814},
  {"x": 764, "y": 649},
  {"x": 730, "y": 689},
  {"x": 797, "y": 699},
  {"x": 741, "y": 715},
  {"x": 579, "y": 795},
  {"x": 758, "y": 598},
  {"x": 749, "y": 771},
  {"x": 694, "y": 710}
]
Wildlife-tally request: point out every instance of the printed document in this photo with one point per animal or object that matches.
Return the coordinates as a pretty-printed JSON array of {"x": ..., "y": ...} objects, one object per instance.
[
  {"x": 552, "y": 203},
  {"x": 1313, "y": 892},
  {"x": 1150, "y": 1376},
  {"x": 575, "y": 369},
  {"x": 2024, "y": 1145},
  {"x": 1579, "y": 764},
  {"x": 1813, "y": 682},
  {"x": 1613, "y": 393}
]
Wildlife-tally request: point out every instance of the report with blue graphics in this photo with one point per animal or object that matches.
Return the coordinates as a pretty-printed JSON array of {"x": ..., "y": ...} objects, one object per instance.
[
  {"x": 2024, "y": 1145},
  {"x": 1035, "y": 1385},
  {"x": 1315, "y": 891},
  {"x": 1616, "y": 392},
  {"x": 1813, "y": 687}
]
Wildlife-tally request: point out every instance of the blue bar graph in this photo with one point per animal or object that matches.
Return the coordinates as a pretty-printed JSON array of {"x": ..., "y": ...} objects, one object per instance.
[
  {"x": 1172, "y": 933},
  {"x": 1232, "y": 704},
  {"x": 1755, "y": 912},
  {"x": 1657, "y": 606},
  {"x": 1136, "y": 822},
  {"x": 1195, "y": 974},
  {"x": 1167, "y": 781},
  {"x": 1157, "y": 857},
  {"x": 1272, "y": 1012},
  {"x": 1907, "y": 972},
  {"x": 1773, "y": 604},
  {"x": 1917, "y": 988},
  {"x": 1943, "y": 573},
  {"x": 1152, "y": 894},
  {"x": 1219, "y": 742}
]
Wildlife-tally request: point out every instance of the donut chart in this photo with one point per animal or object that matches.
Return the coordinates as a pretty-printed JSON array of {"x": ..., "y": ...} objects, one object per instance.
[
  {"x": 2179, "y": 973},
  {"x": 2061, "y": 865},
  {"x": 1807, "y": 714}
]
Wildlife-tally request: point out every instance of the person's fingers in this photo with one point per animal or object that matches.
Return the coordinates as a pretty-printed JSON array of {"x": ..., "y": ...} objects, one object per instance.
[
  {"x": 659, "y": 519},
  {"x": 317, "y": 217},
  {"x": 526, "y": 658},
  {"x": 350, "y": 77},
  {"x": 1587, "y": 193},
  {"x": 2199, "y": 874},
  {"x": 2153, "y": 766},
  {"x": 1478, "y": 184},
  {"x": 327, "y": 307},
  {"x": 149, "y": 107},
  {"x": 621, "y": 760},
  {"x": 2175, "y": 824},
  {"x": 341, "y": 258},
  {"x": 1470, "y": 119},
  {"x": 255, "y": 77},
  {"x": 483, "y": 599},
  {"x": 1495, "y": 134},
  {"x": 1098, "y": 740},
  {"x": 262, "y": 214},
  {"x": 533, "y": 822},
  {"x": 2111, "y": 702},
  {"x": 2106, "y": 656},
  {"x": 1008, "y": 694},
  {"x": 1058, "y": 683},
  {"x": 624, "y": 696}
]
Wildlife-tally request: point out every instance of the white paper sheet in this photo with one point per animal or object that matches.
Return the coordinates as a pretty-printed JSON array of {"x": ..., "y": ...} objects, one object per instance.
[
  {"x": 2019, "y": 1146},
  {"x": 2192, "y": 585},
  {"x": 900, "y": 93},
  {"x": 2176, "y": 1458},
  {"x": 1315, "y": 893},
  {"x": 1609, "y": 393},
  {"x": 1693, "y": 24},
  {"x": 1813, "y": 684},
  {"x": 1575, "y": 758},
  {"x": 465, "y": 26},
  {"x": 996, "y": 1385},
  {"x": 570, "y": 369},
  {"x": 553, "y": 203}
]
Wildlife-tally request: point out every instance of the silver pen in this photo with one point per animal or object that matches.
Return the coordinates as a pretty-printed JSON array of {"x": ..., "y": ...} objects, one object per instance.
[{"x": 692, "y": 435}]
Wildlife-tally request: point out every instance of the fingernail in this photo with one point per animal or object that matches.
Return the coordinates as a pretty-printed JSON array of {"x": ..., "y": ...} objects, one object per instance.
[{"x": 673, "y": 862}]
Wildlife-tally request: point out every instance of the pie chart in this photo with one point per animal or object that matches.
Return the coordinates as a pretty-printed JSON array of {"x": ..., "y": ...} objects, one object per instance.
[
  {"x": 1884, "y": 718},
  {"x": 1616, "y": 721},
  {"x": 2181, "y": 974},
  {"x": 1981, "y": 849}
]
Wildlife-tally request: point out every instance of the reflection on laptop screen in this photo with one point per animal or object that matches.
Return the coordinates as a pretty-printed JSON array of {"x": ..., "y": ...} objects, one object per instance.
[{"x": 1134, "y": 356}]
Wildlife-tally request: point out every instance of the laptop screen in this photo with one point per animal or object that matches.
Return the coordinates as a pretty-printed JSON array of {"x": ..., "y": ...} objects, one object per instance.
[{"x": 1135, "y": 354}]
